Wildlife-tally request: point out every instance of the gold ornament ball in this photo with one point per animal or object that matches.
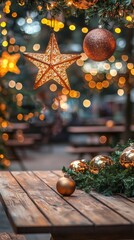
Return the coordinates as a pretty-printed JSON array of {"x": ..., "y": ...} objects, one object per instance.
[
  {"x": 84, "y": 4},
  {"x": 99, "y": 162},
  {"x": 99, "y": 44},
  {"x": 127, "y": 157},
  {"x": 65, "y": 186},
  {"x": 79, "y": 166}
]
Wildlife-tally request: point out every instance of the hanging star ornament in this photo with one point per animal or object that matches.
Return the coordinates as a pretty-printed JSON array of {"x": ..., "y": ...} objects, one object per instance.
[
  {"x": 52, "y": 65},
  {"x": 8, "y": 63}
]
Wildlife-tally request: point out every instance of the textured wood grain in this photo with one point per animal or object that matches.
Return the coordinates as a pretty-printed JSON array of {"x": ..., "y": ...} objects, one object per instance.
[
  {"x": 58, "y": 211},
  {"x": 19, "y": 207}
]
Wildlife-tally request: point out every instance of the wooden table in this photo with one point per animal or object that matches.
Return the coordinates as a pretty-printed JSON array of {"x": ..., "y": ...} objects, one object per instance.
[{"x": 33, "y": 205}]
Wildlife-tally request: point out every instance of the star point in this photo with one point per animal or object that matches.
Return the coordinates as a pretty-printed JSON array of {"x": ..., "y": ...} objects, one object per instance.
[
  {"x": 8, "y": 63},
  {"x": 52, "y": 64}
]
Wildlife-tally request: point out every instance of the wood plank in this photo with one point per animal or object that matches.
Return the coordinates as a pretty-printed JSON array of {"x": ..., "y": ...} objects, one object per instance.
[
  {"x": 92, "y": 209},
  {"x": 11, "y": 236},
  {"x": 119, "y": 204},
  {"x": 19, "y": 207},
  {"x": 58, "y": 211}
]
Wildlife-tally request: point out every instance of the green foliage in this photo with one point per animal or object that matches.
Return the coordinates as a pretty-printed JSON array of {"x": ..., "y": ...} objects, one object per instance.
[{"x": 110, "y": 180}]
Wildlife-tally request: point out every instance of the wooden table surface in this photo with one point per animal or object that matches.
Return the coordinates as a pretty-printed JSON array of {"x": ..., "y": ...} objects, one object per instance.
[{"x": 33, "y": 205}]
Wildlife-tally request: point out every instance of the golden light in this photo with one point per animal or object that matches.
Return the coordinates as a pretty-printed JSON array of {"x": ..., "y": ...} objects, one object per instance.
[
  {"x": 88, "y": 77},
  {"x": 73, "y": 94},
  {"x": 118, "y": 65},
  {"x": 111, "y": 59},
  {"x": 99, "y": 85},
  {"x": 122, "y": 80},
  {"x": 106, "y": 66},
  {"x": 22, "y": 48},
  {"x": 10, "y": 48},
  {"x": 4, "y": 32},
  {"x": 29, "y": 20},
  {"x": 41, "y": 117},
  {"x": 108, "y": 76},
  {"x": 1, "y": 156},
  {"x": 86, "y": 103},
  {"x": 124, "y": 58},
  {"x": 65, "y": 91},
  {"x": 103, "y": 139},
  {"x": 92, "y": 84},
  {"x": 129, "y": 18},
  {"x": 12, "y": 40},
  {"x": 64, "y": 106},
  {"x": 93, "y": 71},
  {"x": 16, "y": 48},
  {"x": 54, "y": 106},
  {"x": 113, "y": 72},
  {"x": 3, "y": 106},
  {"x": 105, "y": 84},
  {"x": 30, "y": 115},
  {"x": 110, "y": 123},
  {"x": 117, "y": 30},
  {"x": 44, "y": 21},
  {"x": 36, "y": 47},
  {"x": 78, "y": 94},
  {"x": 132, "y": 71},
  {"x": 18, "y": 86},
  {"x": 53, "y": 87},
  {"x": 12, "y": 84},
  {"x": 84, "y": 29},
  {"x": 19, "y": 116},
  {"x": 80, "y": 62},
  {"x": 69, "y": 2},
  {"x": 120, "y": 92},
  {"x": 5, "y": 137},
  {"x": 72, "y": 27},
  {"x": 19, "y": 97},
  {"x": 3, "y": 24},
  {"x": 19, "y": 103},
  {"x": 83, "y": 56},
  {"x": 5, "y": 43},
  {"x": 6, "y": 162},
  {"x": 8, "y": 63},
  {"x": 130, "y": 65},
  {"x": 14, "y": 14},
  {"x": 4, "y": 124}
]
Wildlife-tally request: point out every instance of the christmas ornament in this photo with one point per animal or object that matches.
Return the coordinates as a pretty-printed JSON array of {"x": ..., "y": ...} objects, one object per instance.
[
  {"x": 99, "y": 162},
  {"x": 79, "y": 166},
  {"x": 52, "y": 65},
  {"x": 127, "y": 157},
  {"x": 8, "y": 63},
  {"x": 84, "y": 4},
  {"x": 65, "y": 185},
  {"x": 99, "y": 44}
]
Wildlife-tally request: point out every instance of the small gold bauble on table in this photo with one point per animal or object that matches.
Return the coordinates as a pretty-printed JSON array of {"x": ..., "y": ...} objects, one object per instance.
[
  {"x": 127, "y": 157},
  {"x": 99, "y": 162},
  {"x": 65, "y": 185},
  {"x": 84, "y": 4},
  {"x": 79, "y": 166},
  {"x": 99, "y": 44}
]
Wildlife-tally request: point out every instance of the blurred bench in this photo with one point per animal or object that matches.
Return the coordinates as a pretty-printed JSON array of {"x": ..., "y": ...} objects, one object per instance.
[{"x": 11, "y": 236}]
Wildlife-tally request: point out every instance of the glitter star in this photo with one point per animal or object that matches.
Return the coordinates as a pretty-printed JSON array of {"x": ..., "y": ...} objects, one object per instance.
[
  {"x": 8, "y": 63},
  {"x": 52, "y": 64}
]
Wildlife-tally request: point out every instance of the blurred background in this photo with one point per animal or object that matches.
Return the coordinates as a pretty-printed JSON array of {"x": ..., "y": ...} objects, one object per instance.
[{"x": 101, "y": 96}]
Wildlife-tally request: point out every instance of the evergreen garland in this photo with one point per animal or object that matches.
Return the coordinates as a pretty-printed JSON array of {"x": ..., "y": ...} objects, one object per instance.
[{"x": 110, "y": 180}]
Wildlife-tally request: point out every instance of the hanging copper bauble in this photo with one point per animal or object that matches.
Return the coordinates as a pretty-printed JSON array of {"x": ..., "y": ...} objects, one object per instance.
[
  {"x": 79, "y": 166},
  {"x": 65, "y": 185},
  {"x": 99, "y": 162},
  {"x": 127, "y": 157},
  {"x": 84, "y": 4},
  {"x": 99, "y": 44}
]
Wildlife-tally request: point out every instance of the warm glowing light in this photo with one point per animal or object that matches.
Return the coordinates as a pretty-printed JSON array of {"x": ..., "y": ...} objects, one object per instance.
[
  {"x": 4, "y": 43},
  {"x": 79, "y": 62},
  {"x": 73, "y": 93},
  {"x": 93, "y": 71},
  {"x": 99, "y": 85},
  {"x": 117, "y": 30},
  {"x": 53, "y": 87},
  {"x": 86, "y": 103},
  {"x": 106, "y": 66},
  {"x": 122, "y": 80},
  {"x": 129, "y": 18},
  {"x": 84, "y": 29},
  {"x": 41, "y": 117},
  {"x": 103, "y": 139},
  {"x": 4, "y": 32},
  {"x": 36, "y": 47},
  {"x": 19, "y": 97},
  {"x": 72, "y": 27},
  {"x": 110, "y": 123},
  {"x": 54, "y": 106},
  {"x": 130, "y": 65},
  {"x": 118, "y": 65},
  {"x": 16, "y": 48},
  {"x": 105, "y": 84},
  {"x": 124, "y": 58},
  {"x": 18, "y": 86},
  {"x": 92, "y": 84},
  {"x": 19, "y": 116},
  {"x": 132, "y": 71},
  {"x": 3, "y": 106},
  {"x": 83, "y": 56},
  {"x": 22, "y": 48},
  {"x": 88, "y": 77},
  {"x": 10, "y": 48},
  {"x": 120, "y": 92},
  {"x": 69, "y": 2},
  {"x": 113, "y": 72},
  {"x": 108, "y": 76},
  {"x": 5, "y": 137},
  {"x": 8, "y": 63},
  {"x": 12, "y": 40},
  {"x": 44, "y": 21},
  {"x": 12, "y": 84},
  {"x": 3, "y": 24},
  {"x": 4, "y": 124},
  {"x": 14, "y": 14},
  {"x": 29, "y": 20},
  {"x": 65, "y": 91},
  {"x": 111, "y": 59}
]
